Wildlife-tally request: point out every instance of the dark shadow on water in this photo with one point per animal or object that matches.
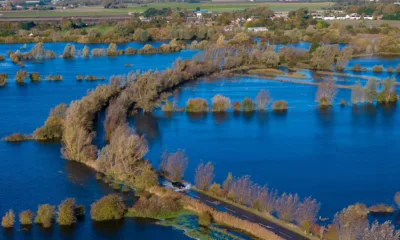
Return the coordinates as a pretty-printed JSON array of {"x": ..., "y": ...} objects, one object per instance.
[
  {"x": 147, "y": 124},
  {"x": 46, "y": 232},
  {"x": 26, "y": 230},
  {"x": 325, "y": 116},
  {"x": 220, "y": 117},
  {"x": 78, "y": 173},
  {"x": 67, "y": 231},
  {"x": 8, "y": 233},
  {"x": 262, "y": 117},
  {"x": 197, "y": 116},
  {"x": 168, "y": 115},
  {"x": 248, "y": 116},
  {"x": 108, "y": 227}
]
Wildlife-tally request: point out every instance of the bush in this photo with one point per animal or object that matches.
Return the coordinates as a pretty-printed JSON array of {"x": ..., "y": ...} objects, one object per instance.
[
  {"x": 381, "y": 208},
  {"x": 126, "y": 189},
  {"x": 167, "y": 107},
  {"x": 390, "y": 69},
  {"x": 98, "y": 52},
  {"x": 54, "y": 77},
  {"x": 236, "y": 106},
  {"x": 53, "y": 127},
  {"x": 3, "y": 79},
  {"x": 8, "y": 220},
  {"x": 358, "y": 68},
  {"x": 196, "y": 105},
  {"x": 377, "y": 68},
  {"x": 116, "y": 186},
  {"x": 45, "y": 215},
  {"x": 112, "y": 50},
  {"x": 2, "y": 58},
  {"x": 343, "y": 103},
  {"x": 79, "y": 77},
  {"x": 99, "y": 176},
  {"x": 66, "y": 212},
  {"x": 248, "y": 105},
  {"x": 35, "y": 77},
  {"x": 220, "y": 103},
  {"x": 398, "y": 69},
  {"x": 204, "y": 219},
  {"x": 107, "y": 208},
  {"x": 280, "y": 105},
  {"x": 156, "y": 207},
  {"x": 21, "y": 76},
  {"x": 25, "y": 217},
  {"x": 130, "y": 51},
  {"x": 16, "y": 137}
]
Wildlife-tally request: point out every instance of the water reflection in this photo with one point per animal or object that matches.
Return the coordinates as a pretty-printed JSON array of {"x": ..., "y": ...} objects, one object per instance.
[
  {"x": 147, "y": 124},
  {"x": 108, "y": 227},
  {"x": 197, "y": 116},
  {"x": 220, "y": 117},
  {"x": 78, "y": 173}
]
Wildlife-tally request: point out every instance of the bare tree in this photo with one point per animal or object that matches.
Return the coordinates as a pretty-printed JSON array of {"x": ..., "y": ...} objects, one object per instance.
[
  {"x": 173, "y": 165},
  {"x": 357, "y": 93},
  {"x": 240, "y": 190},
  {"x": 263, "y": 199},
  {"x": 306, "y": 213},
  {"x": 351, "y": 222},
  {"x": 262, "y": 99},
  {"x": 286, "y": 206},
  {"x": 326, "y": 93},
  {"x": 381, "y": 231},
  {"x": 121, "y": 156},
  {"x": 204, "y": 175}
]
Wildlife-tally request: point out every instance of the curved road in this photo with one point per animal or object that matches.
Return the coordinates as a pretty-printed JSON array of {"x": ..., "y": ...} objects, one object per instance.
[{"x": 238, "y": 212}]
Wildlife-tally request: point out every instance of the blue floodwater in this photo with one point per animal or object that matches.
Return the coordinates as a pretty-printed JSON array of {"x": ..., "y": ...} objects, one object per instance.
[
  {"x": 340, "y": 157},
  {"x": 34, "y": 173}
]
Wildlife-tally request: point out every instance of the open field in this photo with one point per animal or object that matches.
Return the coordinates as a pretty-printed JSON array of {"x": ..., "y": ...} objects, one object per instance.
[{"x": 213, "y": 7}]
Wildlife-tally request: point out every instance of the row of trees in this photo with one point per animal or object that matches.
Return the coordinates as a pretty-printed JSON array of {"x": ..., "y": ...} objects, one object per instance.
[
  {"x": 244, "y": 191},
  {"x": 67, "y": 213},
  {"x": 222, "y": 104}
]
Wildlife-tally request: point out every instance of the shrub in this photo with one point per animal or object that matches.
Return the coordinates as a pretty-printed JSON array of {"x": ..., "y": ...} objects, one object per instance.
[
  {"x": 21, "y": 76},
  {"x": 130, "y": 51},
  {"x": 280, "y": 105},
  {"x": 112, "y": 50},
  {"x": 116, "y": 186},
  {"x": 248, "y": 105},
  {"x": 156, "y": 207},
  {"x": 48, "y": 54},
  {"x": 377, "y": 68},
  {"x": 168, "y": 106},
  {"x": 53, "y": 127},
  {"x": 126, "y": 189},
  {"x": 54, "y": 77},
  {"x": 147, "y": 49},
  {"x": 390, "y": 69},
  {"x": 2, "y": 58},
  {"x": 66, "y": 212},
  {"x": 204, "y": 219},
  {"x": 45, "y": 215},
  {"x": 99, "y": 176},
  {"x": 16, "y": 137},
  {"x": 343, "y": 103},
  {"x": 8, "y": 220},
  {"x": 3, "y": 79},
  {"x": 85, "y": 52},
  {"x": 236, "y": 106},
  {"x": 69, "y": 51},
  {"x": 196, "y": 105},
  {"x": 357, "y": 68},
  {"x": 107, "y": 208},
  {"x": 381, "y": 208},
  {"x": 79, "y": 77},
  {"x": 25, "y": 217},
  {"x": 220, "y": 103},
  {"x": 98, "y": 52},
  {"x": 35, "y": 77}
]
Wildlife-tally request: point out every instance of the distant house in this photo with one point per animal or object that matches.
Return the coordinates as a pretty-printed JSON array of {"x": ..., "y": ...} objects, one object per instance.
[
  {"x": 199, "y": 13},
  {"x": 257, "y": 29}
]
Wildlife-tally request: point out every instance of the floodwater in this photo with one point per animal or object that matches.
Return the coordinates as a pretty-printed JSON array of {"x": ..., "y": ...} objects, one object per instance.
[
  {"x": 34, "y": 173},
  {"x": 339, "y": 156}
]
